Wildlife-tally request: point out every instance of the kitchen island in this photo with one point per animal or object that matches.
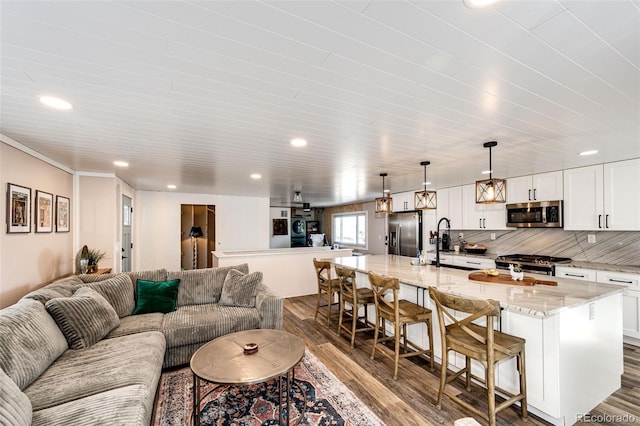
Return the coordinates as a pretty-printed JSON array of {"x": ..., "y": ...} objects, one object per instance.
[
  {"x": 574, "y": 351},
  {"x": 288, "y": 272}
]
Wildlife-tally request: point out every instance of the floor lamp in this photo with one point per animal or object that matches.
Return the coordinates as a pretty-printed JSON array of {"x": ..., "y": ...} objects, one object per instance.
[{"x": 195, "y": 233}]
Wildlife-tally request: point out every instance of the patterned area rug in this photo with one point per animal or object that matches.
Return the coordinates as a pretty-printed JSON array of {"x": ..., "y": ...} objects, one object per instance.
[{"x": 328, "y": 401}]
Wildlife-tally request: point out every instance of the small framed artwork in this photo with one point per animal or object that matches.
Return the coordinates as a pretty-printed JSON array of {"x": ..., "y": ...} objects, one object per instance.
[
  {"x": 18, "y": 209},
  {"x": 280, "y": 226},
  {"x": 62, "y": 213},
  {"x": 44, "y": 211}
]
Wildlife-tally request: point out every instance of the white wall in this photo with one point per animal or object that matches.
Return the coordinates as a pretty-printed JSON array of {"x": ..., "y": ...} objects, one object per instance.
[
  {"x": 279, "y": 241},
  {"x": 241, "y": 223}
]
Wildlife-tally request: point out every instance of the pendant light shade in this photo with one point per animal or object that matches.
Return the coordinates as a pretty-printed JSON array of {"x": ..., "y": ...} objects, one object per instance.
[
  {"x": 425, "y": 200},
  {"x": 384, "y": 203},
  {"x": 297, "y": 197},
  {"x": 491, "y": 190}
]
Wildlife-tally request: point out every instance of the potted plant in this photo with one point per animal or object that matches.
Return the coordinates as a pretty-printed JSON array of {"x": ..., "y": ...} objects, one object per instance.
[{"x": 94, "y": 256}]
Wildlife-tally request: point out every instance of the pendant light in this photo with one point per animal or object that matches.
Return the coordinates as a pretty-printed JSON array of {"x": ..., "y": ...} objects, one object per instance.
[
  {"x": 491, "y": 190},
  {"x": 384, "y": 203},
  {"x": 425, "y": 200},
  {"x": 297, "y": 197}
]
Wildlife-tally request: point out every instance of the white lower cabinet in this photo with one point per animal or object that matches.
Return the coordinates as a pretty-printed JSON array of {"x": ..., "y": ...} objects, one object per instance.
[
  {"x": 630, "y": 299},
  {"x": 576, "y": 273},
  {"x": 474, "y": 262}
]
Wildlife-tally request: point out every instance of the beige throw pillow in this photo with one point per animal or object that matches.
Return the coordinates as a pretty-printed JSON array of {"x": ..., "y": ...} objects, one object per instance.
[{"x": 240, "y": 289}]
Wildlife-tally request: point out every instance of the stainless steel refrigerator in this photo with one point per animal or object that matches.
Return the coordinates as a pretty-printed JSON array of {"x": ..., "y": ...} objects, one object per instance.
[{"x": 405, "y": 233}]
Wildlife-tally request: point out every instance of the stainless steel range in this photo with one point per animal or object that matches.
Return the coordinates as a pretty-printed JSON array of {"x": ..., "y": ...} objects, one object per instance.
[{"x": 531, "y": 263}]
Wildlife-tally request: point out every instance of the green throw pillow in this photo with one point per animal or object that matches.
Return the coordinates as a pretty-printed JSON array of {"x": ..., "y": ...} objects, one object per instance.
[{"x": 156, "y": 296}]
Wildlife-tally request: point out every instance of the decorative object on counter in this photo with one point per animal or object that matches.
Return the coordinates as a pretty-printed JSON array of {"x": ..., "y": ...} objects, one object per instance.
[
  {"x": 18, "y": 209},
  {"x": 475, "y": 248},
  {"x": 384, "y": 204},
  {"x": 506, "y": 279},
  {"x": 491, "y": 190},
  {"x": 44, "y": 211},
  {"x": 195, "y": 233},
  {"x": 82, "y": 260},
  {"x": 516, "y": 275},
  {"x": 425, "y": 200},
  {"x": 93, "y": 257},
  {"x": 456, "y": 248}
]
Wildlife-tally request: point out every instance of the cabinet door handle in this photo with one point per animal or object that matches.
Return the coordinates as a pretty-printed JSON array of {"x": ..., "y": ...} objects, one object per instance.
[
  {"x": 534, "y": 194},
  {"x": 600, "y": 221},
  {"x": 484, "y": 223},
  {"x": 473, "y": 263},
  {"x": 529, "y": 195},
  {"x": 479, "y": 223},
  {"x": 574, "y": 275},
  {"x": 606, "y": 221},
  {"x": 613, "y": 280}
]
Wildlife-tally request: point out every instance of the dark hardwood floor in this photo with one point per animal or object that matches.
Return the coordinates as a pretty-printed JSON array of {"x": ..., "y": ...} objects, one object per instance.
[{"x": 410, "y": 400}]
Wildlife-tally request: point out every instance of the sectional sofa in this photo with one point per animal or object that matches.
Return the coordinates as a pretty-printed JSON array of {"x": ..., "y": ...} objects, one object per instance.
[{"x": 87, "y": 350}]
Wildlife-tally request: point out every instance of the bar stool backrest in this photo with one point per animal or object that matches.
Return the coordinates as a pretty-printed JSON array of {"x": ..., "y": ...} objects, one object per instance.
[{"x": 382, "y": 285}]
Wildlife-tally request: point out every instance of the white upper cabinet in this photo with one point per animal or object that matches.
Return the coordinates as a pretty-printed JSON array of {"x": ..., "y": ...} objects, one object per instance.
[
  {"x": 450, "y": 205},
  {"x": 403, "y": 201},
  {"x": 622, "y": 195},
  {"x": 481, "y": 216},
  {"x": 540, "y": 187},
  {"x": 603, "y": 197}
]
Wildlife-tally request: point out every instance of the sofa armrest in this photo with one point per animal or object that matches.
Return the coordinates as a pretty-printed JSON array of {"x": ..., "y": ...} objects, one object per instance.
[{"x": 270, "y": 308}]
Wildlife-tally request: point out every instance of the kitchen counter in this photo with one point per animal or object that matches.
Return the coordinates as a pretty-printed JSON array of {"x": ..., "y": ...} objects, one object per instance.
[
  {"x": 573, "y": 331},
  {"x": 537, "y": 300},
  {"x": 288, "y": 272}
]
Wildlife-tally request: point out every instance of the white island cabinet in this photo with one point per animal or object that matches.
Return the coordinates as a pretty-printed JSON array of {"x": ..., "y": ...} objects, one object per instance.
[
  {"x": 569, "y": 330},
  {"x": 288, "y": 272}
]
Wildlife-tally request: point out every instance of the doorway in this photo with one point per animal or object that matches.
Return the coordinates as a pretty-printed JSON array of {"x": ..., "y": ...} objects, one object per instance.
[
  {"x": 126, "y": 234},
  {"x": 195, "y": 252}
]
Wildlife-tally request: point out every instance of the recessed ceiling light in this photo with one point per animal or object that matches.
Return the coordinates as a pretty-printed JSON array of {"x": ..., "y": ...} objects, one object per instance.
[
  {"x": 386, "y": 190},
  {"x": 298, "y": 142},
  {"x": 593, "y": 151},
  {"x": 256, "y": 176},
  {"x": 427, "y": 183},
  {"x": 478, "y": 4},
  {"x": 121, "y": 163},
  {"x": 170, "y": 186},
  {"x": 486, "y": 172},
  {"x": 56, "y": 103}
]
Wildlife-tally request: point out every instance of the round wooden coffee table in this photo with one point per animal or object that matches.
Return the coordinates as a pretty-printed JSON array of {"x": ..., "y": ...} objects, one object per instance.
[{"x": 224, "y": 361}]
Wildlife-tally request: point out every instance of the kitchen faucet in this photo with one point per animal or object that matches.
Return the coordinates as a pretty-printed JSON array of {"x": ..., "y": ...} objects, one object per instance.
[{"x": 438, "y": 238}]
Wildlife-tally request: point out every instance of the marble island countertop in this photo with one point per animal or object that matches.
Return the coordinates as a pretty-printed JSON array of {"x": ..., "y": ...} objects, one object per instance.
[{"x": 538, "y": 300}]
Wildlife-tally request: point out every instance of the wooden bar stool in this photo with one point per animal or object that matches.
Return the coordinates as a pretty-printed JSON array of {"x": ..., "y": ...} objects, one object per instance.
[
  {"x": 401, "y": 313},
  {"x": 356, "y": 297},
  {"x": 479, "y": 342},
  {"x": 327, "y": 287}
]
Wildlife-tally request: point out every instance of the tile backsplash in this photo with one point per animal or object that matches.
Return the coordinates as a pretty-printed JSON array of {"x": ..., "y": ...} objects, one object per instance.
[{"x": 613, "y": 247}]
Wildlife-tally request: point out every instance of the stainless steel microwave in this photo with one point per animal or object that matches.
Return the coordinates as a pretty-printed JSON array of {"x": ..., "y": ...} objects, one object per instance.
[{"x": 539, "y": 214}]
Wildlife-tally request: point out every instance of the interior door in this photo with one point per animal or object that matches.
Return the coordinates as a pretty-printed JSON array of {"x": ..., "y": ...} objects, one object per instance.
[{"x": 127, "y": 213}]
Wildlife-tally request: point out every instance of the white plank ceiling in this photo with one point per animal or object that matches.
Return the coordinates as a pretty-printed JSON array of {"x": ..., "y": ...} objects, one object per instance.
[{"x": 201, "y": 94}]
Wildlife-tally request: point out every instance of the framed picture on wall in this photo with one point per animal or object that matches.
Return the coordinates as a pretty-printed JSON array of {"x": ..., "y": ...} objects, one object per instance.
[
  {"x": 280, "y": 226},
  {"x": 18, "y": 209},
  {"x": 62, "y": 213},
  {"x": 44, "y": 211}
]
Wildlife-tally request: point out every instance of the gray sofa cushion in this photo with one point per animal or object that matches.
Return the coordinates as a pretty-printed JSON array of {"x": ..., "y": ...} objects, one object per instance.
[
  {"x": 123, "y": 406},
  {"x": 15, "y": 407},
  {"x": 201, "y": 286},
  {"x": 240, "y": 289},
  {"x": 64, "y": 287},
  {"x": 137, "y": 324},
  {"x": 118, "y": 291},
  {"x": 31, "y": 340},
  {"x": 109, "y": 364},
  {"x": 84, "y": 318},
  {"x": 201, "y": 323},
  {"x": 92, "y": 278},
  {"x": 151, "y": 275}
]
